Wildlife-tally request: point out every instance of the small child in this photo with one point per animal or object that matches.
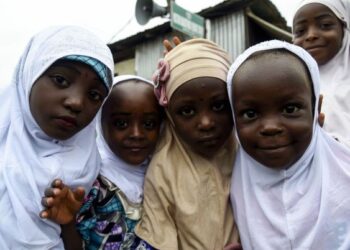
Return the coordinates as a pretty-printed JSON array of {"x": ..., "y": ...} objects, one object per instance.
[
  {"x": 128, "y": 130},
  {"x": 186, "y": 204},
  {"x": 291, "y": 179},
  {"x": 322, "y": 28},
  {"x": 47, "y": 129}
]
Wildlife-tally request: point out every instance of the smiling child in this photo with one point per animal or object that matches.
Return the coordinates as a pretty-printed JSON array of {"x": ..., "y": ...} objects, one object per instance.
[{"x": 290, "y": 180}]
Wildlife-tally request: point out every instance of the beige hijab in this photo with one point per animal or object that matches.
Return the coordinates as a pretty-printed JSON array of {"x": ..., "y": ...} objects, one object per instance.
[{"x": 186, "y": 203}]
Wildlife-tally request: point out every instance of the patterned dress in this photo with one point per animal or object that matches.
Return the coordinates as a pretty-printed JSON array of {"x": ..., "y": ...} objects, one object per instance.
[{"x": 107, "y": 219}]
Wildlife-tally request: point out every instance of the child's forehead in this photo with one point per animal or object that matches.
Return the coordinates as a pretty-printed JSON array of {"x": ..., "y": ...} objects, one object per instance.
[
  {"x": 132, "y": 90},
  {"x": 267, "y": 60},
  {"x": 312, "y": 10},
  {"x": 278, "y": 65}
]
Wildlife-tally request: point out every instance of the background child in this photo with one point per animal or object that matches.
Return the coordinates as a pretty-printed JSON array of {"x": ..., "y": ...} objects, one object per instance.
[
  {"x": 290, "y": 180},
  {"x": 322, "y": 28},
  {"x": 128, "y": 130},
  {"x": 47, "y": 129},
  {"x": 186, "y": 204}
]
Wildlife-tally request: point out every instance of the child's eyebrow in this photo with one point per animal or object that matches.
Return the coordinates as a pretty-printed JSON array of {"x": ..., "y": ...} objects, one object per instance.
[
  {"x": 120, "y": 113},
  {"x": 318, "y": 17},
  {"x": 324, "y": 15}
]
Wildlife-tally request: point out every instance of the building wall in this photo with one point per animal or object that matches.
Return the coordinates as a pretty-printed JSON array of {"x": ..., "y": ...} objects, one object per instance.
[
  {"x": 230, "y": 32},
  {"x": 126, "y": 67},
  {"x": 147, "y": 55}
]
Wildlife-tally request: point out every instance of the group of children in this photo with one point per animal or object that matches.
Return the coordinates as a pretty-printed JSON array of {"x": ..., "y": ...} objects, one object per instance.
[{"x": 215, "y": 147}]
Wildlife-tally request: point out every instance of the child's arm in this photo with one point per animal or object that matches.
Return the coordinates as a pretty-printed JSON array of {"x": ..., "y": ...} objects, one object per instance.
[
  {"x": 71, "y": 237},
  {"x": 61, "y": 203}
]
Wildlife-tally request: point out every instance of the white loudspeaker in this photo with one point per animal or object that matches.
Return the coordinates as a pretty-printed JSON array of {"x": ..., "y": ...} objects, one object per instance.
[{"x": 146, "y": 9}]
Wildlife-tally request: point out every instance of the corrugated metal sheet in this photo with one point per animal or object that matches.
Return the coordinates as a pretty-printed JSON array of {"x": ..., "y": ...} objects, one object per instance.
[
  {"x": 147, "y": 55},
  {"x": 230, "y": 32}
]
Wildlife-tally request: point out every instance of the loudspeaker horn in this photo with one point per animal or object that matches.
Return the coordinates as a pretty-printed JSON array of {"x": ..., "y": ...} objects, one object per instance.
[{"x": 146, "y": 9}]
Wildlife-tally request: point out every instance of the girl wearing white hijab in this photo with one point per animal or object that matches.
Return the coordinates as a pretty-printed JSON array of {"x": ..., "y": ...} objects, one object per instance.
[
  {"x": 47, "y": 129},
  {"x": 291, "y": 179},
  {"x": 128, "y": 130},
  {"x": 322, "y": 28}
]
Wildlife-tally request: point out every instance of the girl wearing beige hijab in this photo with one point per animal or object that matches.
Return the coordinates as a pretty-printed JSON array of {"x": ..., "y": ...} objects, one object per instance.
[{"x": 186, "y": 203}]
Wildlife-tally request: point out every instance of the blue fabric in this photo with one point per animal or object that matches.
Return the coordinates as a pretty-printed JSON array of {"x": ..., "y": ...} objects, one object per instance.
[{"x": 101, "y": 69}]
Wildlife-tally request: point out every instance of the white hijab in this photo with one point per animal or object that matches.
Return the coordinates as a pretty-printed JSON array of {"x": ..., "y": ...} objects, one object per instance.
[
  {"x": 30, "y": 160},
  {"x": 306, "y": 206},
  {"x": 335, "y": 77},
  {"x": 129, "y": 178}
]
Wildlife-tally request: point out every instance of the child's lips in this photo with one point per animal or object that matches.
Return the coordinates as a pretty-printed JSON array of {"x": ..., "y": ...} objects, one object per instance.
[
  {"x": 273, "y": 148},
  {"x": 135, "y": 148},
  {"x": 67, "y": 122},
  {"x": 208, "y": 140},
  {"x": 313, "y": 49}
]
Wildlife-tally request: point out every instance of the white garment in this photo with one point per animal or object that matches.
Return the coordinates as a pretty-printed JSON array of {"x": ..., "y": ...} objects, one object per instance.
[
  {"x": 335, "y": 77},
  {"x": 129, "y": 178},
  {"x": 30, "y": 160},
  {"x": 306, "y": 206}
]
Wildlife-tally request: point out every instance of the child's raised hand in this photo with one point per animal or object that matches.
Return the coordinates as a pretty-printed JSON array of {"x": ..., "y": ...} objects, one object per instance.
[
  {"x": 321, "y": 116},
  {"x": 168, "y": 46},
  {"x": 61, "y": 203}
]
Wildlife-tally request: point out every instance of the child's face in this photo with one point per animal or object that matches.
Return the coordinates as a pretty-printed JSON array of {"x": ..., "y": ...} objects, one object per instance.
[
  {"x": 66, "y": 98},
  {"x": 131, "y": 120},
  {"x": 201, "y": 113},
  {"x": 319, "y": 31},
  {"x": 273, "y": 109}
]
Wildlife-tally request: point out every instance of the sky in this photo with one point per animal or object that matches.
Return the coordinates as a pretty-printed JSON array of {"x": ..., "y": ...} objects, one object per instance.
[{"x": 109, "y": 19}]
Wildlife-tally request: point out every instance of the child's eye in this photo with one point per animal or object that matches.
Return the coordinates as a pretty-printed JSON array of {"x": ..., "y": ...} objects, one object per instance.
[
  {"x": 291, "y": 109},
  {"x": 217, "y": 107},
  {"x": 150, "y": 124},
  {"x": 187, "y": 111},
  {"x": 326, "y": 25},
  {"x": 120, "y": 124},
  {"x": 249, "y": 114},
  {"x": 60, "y": 81},
  {"x": 95, "y": 95},
  {"x": 298, "y": 31}
]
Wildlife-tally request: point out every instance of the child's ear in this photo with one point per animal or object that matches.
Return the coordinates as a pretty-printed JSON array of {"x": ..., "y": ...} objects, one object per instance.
[{"x": 321, "y": 116}]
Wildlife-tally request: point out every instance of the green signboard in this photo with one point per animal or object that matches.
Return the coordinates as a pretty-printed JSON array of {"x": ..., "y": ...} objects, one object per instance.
[{"x": 186, "y": 22}]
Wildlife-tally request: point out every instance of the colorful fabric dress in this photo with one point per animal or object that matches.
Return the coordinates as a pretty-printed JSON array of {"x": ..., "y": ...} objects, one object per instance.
[{"x": 107, "y": 218}]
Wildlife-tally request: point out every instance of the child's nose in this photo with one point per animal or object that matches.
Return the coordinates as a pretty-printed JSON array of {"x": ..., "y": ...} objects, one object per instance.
[
  {"x": 270, "y": 127},
  {"x": 206, "y": 122},
  {"x": 75, "y": 102},
  {"x": 312, "y": 33},
  {"x": 136, "y": 131}
]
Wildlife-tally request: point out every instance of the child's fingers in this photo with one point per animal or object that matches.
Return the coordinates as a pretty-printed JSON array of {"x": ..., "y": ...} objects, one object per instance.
[
  {"x": 176, "y": 40},
  {"x": 52, "y": 192},
  {"x": 47, "y": 202},
  {"x": 44, "y": 214},
  {"x": 167, "y": 45},
  {"x": 57, "y": 183},
  {"x": 321, "y": 118}
]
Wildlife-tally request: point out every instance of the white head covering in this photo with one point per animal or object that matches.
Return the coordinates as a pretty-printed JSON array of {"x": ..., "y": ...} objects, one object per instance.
[
  {"x": 306, "y": 206},
  {"x": 31, "y": 160},
  {"x": 335, "y": 77},
  {"x": 129, "y": 178}
]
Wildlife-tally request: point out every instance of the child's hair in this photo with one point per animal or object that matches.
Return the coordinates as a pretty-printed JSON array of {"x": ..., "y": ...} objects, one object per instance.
[{"x": 281, "y": 52}]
